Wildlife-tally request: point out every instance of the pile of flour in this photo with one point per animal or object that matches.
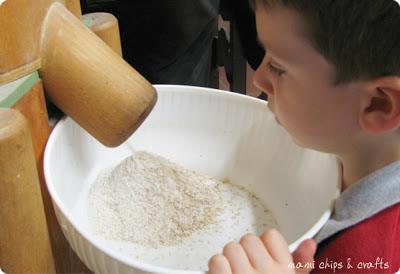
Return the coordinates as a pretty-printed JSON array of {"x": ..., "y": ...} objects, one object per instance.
[{"x": 151, "y": 201}]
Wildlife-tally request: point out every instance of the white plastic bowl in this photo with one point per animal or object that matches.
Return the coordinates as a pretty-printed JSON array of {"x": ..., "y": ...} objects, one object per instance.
[{"x": 218, "y": 133}]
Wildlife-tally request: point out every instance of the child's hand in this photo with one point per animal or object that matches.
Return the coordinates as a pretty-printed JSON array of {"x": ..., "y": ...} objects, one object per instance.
[{"x": 261, "y": 255}]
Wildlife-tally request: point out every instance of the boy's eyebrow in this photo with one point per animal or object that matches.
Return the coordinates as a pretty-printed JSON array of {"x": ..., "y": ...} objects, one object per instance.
[
  {"x": 263, "y": 45},
  {"x": 279, "y": 56}
]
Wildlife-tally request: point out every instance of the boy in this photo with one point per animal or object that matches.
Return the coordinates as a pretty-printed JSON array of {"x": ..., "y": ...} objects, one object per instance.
[{"x": 332, "y": 75}]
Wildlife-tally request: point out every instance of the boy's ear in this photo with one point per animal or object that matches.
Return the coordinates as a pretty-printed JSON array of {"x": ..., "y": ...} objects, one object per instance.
[{"x": 380, "y": 110}]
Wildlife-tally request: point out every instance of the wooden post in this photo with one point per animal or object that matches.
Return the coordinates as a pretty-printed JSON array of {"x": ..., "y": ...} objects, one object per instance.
[
  {"x": 74, "y": 6},
  {"x": 105, "y": 25},
  {"x": 24, "y": 239},
  {"x": 32, "y": 105},
  {"x": 26, "y": 95},
  {"x": 20, "y": 22}
]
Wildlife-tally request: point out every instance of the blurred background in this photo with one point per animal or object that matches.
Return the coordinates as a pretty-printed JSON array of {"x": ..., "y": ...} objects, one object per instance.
[{"x": 208, "y": 43}]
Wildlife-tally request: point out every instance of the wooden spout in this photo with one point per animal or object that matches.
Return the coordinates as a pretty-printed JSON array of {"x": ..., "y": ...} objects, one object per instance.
[
  {"x": 81, "y": 74},
  {"x": 90, "y": 82}
]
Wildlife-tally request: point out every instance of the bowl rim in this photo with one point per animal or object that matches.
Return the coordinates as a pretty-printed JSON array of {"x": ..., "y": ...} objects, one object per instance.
[{"x": 123, "y": 258}]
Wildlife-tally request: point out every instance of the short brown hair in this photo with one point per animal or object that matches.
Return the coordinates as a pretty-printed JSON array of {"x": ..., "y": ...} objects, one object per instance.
[{"x": 361, "y": 38}]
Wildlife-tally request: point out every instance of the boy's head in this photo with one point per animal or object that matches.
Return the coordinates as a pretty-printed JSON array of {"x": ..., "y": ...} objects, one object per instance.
[
  {"x": 361, "y": 38},
  {"x": 331, "y": 69}
]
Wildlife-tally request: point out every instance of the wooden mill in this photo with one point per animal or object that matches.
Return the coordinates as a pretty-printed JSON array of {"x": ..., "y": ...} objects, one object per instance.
[{"x": 48, "y": 48}]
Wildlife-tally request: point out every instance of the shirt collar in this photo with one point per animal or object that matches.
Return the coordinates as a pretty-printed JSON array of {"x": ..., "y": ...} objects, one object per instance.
[{"x": 370, "y": 195}]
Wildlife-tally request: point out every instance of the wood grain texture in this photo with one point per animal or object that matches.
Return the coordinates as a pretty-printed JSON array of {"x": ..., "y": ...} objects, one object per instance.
[
  {"x": 105, "y": 26},
  {"x": 19, "y": 72},
  {"x": 90, "y": 82},
  {"x": 21, "y": 22},
  {"x": 12, "y": 92},
  {"x": 33, "y": 107},
  {"x": 24, "y": 238},
  {"x": 74, "y": 6},
  {"x": 82, "y": 75}
]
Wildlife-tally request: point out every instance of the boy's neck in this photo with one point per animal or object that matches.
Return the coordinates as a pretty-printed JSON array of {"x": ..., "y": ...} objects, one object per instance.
[{"x": 361, "y": 163}]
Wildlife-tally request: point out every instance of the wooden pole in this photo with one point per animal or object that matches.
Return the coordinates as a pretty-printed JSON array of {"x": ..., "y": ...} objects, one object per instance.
[
  {"x": 24, "y": 239},
  {"x": 105, "y": 25},
  {"x": 74, "y": 6},
  {"x": 32, "y": 105},
  {"x": 20, "y": 23}
]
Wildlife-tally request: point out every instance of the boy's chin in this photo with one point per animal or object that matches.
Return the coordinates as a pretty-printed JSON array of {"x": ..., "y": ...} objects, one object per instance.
[
  {"x": 298, "y": 143},
  {"x": 304, "y": 145},
  {"x": 312, "y": 147}
]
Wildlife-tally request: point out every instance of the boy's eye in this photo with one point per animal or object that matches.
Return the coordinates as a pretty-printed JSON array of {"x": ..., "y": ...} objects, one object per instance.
[{"x": 274, "y": 69}]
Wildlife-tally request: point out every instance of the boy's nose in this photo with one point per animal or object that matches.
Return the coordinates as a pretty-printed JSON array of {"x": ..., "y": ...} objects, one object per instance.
[{"x": 261, "y": 81}]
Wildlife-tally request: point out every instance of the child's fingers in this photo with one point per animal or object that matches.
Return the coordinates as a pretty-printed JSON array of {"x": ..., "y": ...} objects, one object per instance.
[
  {"x": 256, "y": 251},
  {"x": 218, "y": 264},
  {"x": 304, "y": 255},
  {"x": 237, "y": 258},
  {"x": 277, "y": 246}
]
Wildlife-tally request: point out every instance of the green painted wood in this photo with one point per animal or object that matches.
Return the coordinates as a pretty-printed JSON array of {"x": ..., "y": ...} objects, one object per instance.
[
  {"x": 12, "y": 92},
  {"x": 88, "y": 22}
]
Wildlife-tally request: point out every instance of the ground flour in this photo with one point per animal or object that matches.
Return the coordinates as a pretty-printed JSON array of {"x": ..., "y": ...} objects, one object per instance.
[{"x": 151, "y": 201}]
